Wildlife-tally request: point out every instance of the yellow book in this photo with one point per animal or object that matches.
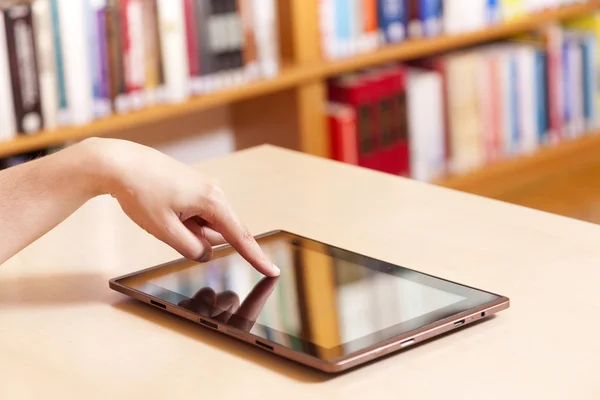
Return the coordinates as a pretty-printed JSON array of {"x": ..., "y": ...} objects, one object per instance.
[{"x": 512, "y": 9}]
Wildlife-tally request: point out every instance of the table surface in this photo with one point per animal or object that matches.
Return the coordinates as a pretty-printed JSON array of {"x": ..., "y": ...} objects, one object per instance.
[{"x": 64, "y": 332}]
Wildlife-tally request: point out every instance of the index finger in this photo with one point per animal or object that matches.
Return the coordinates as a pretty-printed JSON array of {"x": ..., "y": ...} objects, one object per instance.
[{"x": 221, "y": 218}]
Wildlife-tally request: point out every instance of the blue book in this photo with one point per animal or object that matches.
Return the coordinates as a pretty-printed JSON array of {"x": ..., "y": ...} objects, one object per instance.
[
  {"x": 566, "y": 85},
  {"x": 431, "y": 17},
  {"x": 392, "y": 19},
  {"x": 493, "y": 11},
  {"x": 588, "y": 45},
  {"x": 343, "y": 25},
  {"x": 541, "y": 75},
  {"x": 60, "y": 75}
]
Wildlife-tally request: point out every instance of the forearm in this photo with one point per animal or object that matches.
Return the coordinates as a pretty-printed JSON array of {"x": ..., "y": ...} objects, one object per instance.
[{"x": 38, "y": 195}]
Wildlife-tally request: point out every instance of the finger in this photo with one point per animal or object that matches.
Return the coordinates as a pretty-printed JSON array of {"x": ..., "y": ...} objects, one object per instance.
[
  {"x": 202, "y": 231},
  {"x": 202, "y": 302},
  {"x": 249, "y": 311},
  {"x": 221, "y": 218},
  {"x": 226, "y": 304},
  {"x": 185, "y": 242}
]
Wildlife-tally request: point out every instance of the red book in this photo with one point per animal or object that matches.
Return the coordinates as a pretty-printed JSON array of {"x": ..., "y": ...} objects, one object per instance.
[
  {"x": 342, "y": 132},
  {"x": 191, "y": 30},
  {"x": 390, "y": 86},
  {"x": 554, "y": 42},
  {"x": 354, "y": 90}
]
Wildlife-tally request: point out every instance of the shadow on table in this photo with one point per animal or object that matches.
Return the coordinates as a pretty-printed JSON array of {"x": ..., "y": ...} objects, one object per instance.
[
  {"x": 246, "y": 351},
  {"x": 36, "y": 291},
  {"x": 223, "y": 342}
]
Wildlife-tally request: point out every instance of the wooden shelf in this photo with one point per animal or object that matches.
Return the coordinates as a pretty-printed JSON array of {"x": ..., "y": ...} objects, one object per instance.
[
  {"x": 290, "y": 77},
  {"x": 502, "y": 177}
]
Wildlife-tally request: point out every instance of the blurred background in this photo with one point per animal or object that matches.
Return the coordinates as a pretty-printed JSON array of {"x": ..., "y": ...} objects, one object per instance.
[{"x": 499, "y": 98}]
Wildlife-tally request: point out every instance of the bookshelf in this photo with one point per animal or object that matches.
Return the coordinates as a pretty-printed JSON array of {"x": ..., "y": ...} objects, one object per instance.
[{"x": 295, "y": 99}]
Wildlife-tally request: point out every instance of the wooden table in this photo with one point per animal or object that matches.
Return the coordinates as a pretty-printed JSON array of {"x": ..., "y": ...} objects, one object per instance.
[{"x": 65, "y": 334}]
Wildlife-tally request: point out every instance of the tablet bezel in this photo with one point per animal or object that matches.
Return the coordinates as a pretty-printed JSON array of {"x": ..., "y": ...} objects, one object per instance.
[{"x": 478, "y": 304}]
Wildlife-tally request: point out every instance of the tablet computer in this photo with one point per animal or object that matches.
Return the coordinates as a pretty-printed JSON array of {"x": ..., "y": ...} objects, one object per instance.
[{"x": 330, "y": 308}]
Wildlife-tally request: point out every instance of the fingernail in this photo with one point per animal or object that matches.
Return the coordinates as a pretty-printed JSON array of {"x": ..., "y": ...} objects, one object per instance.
[{"x": 274, "y": 270}]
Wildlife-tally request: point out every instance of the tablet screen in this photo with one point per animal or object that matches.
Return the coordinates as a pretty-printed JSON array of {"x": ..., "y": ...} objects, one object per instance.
[{"x": 327, "y": 302}]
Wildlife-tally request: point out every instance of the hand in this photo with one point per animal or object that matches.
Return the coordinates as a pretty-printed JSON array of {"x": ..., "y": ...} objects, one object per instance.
[
  {"x": 174, "y": 202},
  {"x": 225, "y": 307}
]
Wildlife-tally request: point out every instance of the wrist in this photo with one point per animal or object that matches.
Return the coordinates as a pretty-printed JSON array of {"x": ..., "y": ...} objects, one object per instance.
[{"x": 96, "y": 162}]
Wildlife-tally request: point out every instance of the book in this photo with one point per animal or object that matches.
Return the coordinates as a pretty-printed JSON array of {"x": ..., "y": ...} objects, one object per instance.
[
  {"x": 393, "y": 18},
  {"x": 431, "y": 14},
  {"x": 42, "y": 23},
  {"x": 96, "y": 24},
  {"x": 20, "y": 39},
  {"x": 174, "y": 50},
  {"x": 153, "y": 71},
  {"x": 426, "y": 125},
  {"x": 328, "y": 29},
  {"x": 341, "y": 120},
  {"x": 415, "y": 18},
  {"x": 250, "y": 51},
  {"x": 78, "y": 81},
  {"x": 8, "y": 129},
  {"x": 191, "y": 30},
  {"x": 353, "y": 90},
  {"x": 370, "y": 25},
  {"x": 116, "y": 63},
  {"x": 63, "y": 116},
  {"x": 267, "y": 37}
]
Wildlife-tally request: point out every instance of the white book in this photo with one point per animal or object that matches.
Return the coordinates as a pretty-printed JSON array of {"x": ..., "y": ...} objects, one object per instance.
[
  {"x": 462, "y": 16},
  {"x": 357, "y": 43},
  {"x": 135, "y": 60},
  {"x": 73, "y": 32},
  {"x": 42, "y": 23},
  {"x": 174, "y": 51},
  {"x": 267, "y": 38},
  {"x": 8, "y": 127},
  {"x": 576, "y": 68},
  {"x": 527, "y": 99},
  {"x": 426, "y": 124}
]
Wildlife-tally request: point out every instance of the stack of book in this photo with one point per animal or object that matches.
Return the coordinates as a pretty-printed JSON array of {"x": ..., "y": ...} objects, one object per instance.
[
  {"x": 456, "y": 112},
  {"x": 350, "y": 27},
  {"x": 69, "y": 62}
]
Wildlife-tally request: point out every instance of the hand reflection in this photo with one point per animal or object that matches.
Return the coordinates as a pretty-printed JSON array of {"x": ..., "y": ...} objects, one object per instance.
[{"x": 225, "y": 307}]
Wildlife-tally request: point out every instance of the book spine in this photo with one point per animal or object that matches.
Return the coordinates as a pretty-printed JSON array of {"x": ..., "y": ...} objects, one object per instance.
[
  {"x": 493, "y": 12},
  {"x": 236, "y": 42},
  {"x": 8, "y": 129},
  {"x": 267, "y": 37},
  {"x": 431, "y": 17},
  {"x": 174, "y": 52},
  {"x": 76, "y": 61},
  {"x": 567, "y": 90},
  {"x": 515, "y": 103},
  {"x": 133, "y": 33},
  {"x": 487, "y": 103},
  {"x": 192, "y": 41},
  {"x": 555, "y": 82},
  {"x": 104, "y": 73},
  {"x": 589, "y": 80},
  {"x": 393, "y": 17},
  {"x": 206, "y": 58},
  {"x": 496, "y": 127},
  {"x": 63, "y": 116},
  {"x": 93, "y": 41},
  {"x": 327, "y": 29},
  {"x": 542, "y": 97},
  {"x": 415, "y": 23},
  {"x": 118, "y": 90},
  {"x": 576, "y": 65},
  {"x": 343, "y": 24},
  {"x": 370, "y": 25},
  {"x": 23, "y": 65},
  {"x": 250, "y": 52},
  {"x": 152, "y": 53},
  {"x": 42, "y": 22},
  {"x": 343, "y": 135}
]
